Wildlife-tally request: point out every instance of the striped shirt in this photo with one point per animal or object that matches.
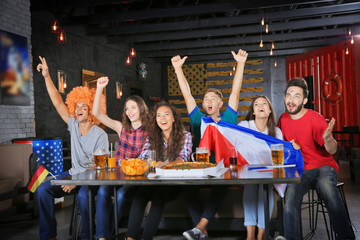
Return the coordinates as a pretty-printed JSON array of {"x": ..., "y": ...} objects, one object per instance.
[
  {"x": 184, "y": 153},
  {"x": 130, "y": 143}
]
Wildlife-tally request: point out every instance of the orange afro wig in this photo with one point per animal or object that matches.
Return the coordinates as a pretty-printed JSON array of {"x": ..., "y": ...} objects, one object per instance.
[{"x": 87, "y": 96}]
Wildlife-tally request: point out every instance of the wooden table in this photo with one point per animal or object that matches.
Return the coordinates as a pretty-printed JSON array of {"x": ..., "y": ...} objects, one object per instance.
[{"x": 243, "y": 175}]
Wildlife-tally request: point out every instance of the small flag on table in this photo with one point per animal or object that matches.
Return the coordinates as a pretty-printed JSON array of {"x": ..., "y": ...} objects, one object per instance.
[{"x": 38, "y": 178}]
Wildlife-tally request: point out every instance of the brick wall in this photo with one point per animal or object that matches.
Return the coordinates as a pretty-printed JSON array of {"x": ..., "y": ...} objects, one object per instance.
[
  {"x": 17, "y": 121},
  {"x": 83, "y": 52}
]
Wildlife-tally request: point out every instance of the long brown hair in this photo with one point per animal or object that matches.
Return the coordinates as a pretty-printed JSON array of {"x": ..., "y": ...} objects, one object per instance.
[
  {"x": 271, "y": 119},
  {"x": 143, "y": 109},
  {"x": 155, "y": 134}
]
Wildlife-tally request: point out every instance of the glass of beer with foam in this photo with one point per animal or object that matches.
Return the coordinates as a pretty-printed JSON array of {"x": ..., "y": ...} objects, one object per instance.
[
  {"x": 100, "y": 158},
  {"x": 202, "y": 154},
  {"x": 277, "y": 154}
]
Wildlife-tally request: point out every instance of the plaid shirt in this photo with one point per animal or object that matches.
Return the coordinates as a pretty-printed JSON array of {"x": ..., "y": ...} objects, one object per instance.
[
  {"x": 184, "y": 153},
  {"x": 130, "y": 143}
]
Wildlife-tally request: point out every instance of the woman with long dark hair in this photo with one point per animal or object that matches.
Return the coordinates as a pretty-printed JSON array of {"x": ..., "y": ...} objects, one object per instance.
[
  {"x": 261, "y": 118},
  {"x": 167, "y": 136},
  {"x": 132, "y": 135}
]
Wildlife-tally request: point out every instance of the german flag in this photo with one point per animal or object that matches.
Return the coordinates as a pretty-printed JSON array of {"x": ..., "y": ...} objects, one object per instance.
[{"x": 38, "y": 178}]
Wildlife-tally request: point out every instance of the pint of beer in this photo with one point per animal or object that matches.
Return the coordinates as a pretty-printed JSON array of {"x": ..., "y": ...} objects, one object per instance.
[
  {"x": 202, "y": 154},
  {"x": 100, "y": 158},
  {"x": 277, "y": 154}
]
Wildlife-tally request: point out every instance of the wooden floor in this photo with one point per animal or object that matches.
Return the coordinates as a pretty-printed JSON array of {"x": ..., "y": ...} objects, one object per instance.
[{"x": 22, "y": 227}]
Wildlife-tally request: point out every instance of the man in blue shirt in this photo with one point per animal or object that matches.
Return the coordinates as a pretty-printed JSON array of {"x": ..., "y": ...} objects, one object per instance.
[{"x": 212, "y": 102}]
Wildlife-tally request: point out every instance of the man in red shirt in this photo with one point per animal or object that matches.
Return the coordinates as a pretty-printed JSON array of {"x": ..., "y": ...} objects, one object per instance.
[{"x": 309, "y": 132}]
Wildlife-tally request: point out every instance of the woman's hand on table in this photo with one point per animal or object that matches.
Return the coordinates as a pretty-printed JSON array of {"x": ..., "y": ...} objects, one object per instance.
[
  {"x": 161, "y": 164},
  {"x": 68, "y": 188}
]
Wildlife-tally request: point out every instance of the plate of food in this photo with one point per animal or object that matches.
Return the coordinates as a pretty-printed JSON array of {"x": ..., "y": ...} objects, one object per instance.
[
  {"x": 191, "y": 169},
  {"x": 189, "y": 165}
]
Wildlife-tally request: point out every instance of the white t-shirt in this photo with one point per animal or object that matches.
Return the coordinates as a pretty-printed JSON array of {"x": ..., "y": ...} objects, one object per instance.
[{"x": 251, "y": 125}]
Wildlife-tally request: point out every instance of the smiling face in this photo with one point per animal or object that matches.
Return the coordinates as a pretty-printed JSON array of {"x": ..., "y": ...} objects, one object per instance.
[
  {"x": 81, "y": 111},
  {"x": 261, "y": 108},
  {"x": 212, "y": 104},
  {"x": 294, "y": 100},
  {"x": 132, "y": 111},
  {"x": 164, "y": 118}
]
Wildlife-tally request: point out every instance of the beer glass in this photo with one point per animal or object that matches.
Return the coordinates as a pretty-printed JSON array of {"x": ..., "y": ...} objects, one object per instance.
[
  {"x": 233, "y": 158},
  {"x": 277, "y": 154},
  {"x": 202, "y": 154},
  {"x": 100, "y": 158}
]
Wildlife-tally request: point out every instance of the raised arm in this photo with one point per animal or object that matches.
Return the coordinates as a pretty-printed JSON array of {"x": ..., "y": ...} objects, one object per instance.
[
  {"x": 190, "y": 102},
  {"x": 52, "y": 91},
  {"x": 330, "y": 142},
  {"x": 96, "y": 109},
  {"x": 240, "y": 58}
]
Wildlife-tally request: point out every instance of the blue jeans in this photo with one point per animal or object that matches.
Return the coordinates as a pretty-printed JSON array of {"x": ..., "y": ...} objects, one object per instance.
[
  {"x": 104, "y": 208},
  {"x": 159, "y": 196},
  {"x": 253, "y": 198},
  {"x": 193, "y": 205},
  {"x": 45, "y": 199},
  {"x": 324, "y": 179}
]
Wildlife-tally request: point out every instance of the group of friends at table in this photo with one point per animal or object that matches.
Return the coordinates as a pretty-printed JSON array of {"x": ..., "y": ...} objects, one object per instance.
[{"x": 162, "y": 130}]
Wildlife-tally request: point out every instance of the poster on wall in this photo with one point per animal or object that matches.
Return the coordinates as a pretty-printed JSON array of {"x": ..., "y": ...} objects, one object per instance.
[{"x": 14, "y": 70}]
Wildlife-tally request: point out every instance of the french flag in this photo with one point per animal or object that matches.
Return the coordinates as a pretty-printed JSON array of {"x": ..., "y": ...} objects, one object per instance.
[{"x": 253, "y": 147}]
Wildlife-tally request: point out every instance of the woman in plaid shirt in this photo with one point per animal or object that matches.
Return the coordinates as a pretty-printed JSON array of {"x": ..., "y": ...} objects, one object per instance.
[
  {"x": 167, "y": 136},
  {"x": 132, "y": 135}
]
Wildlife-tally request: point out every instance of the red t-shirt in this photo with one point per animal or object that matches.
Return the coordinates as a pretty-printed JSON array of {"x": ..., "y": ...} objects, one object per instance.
[{"x": 308, "y": 133}]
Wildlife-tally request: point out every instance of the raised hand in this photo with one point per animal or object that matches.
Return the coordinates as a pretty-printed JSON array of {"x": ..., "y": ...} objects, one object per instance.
[
  {"x": 102, "y": 82},
  {"x": 241, "y": 56},
  {"x": 327, "y": 133},
  {"x": 177, "y": 61},
  {"x": 43, "y": 67}
]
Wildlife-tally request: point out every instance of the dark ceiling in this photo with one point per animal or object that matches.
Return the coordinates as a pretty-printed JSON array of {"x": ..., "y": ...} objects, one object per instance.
[{"x": 208, "y": 30}]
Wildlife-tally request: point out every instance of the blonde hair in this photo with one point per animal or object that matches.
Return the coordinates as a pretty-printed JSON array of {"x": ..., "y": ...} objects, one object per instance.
[{"x": 87, "y": 96}]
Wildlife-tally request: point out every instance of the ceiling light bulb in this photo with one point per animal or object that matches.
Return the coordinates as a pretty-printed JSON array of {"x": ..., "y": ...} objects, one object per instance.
[
  {"x": 234, "y": 68},
  {"x": 271, "y": 52},
  {"x": 262, "y": 21},
  {"x": 349, "y": 31},
  {"x": 272, "y": 45},
  {"x": 347, "y": 51},
  {"x": 352, "y": 40},
  {"x": 261, "y": 43},
  {"x": 267, "y": 28},
  {"x": 275, "y": 63}
]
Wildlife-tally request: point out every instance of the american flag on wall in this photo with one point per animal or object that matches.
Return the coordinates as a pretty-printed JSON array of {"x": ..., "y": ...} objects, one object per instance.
[
  {"x": 50, "y": 154},
  {"x": 217, "y": 75}
]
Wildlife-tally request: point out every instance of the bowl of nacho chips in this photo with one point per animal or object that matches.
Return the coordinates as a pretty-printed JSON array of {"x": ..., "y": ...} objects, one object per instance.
[{"x": 134, "y": 166}]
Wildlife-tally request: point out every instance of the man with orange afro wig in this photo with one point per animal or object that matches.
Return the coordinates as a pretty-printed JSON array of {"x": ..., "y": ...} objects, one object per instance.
[{"x": 85, "y": 138}]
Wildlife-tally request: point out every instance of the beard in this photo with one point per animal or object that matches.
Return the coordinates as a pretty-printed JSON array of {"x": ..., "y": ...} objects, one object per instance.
[{"x": 294, "y": 111}]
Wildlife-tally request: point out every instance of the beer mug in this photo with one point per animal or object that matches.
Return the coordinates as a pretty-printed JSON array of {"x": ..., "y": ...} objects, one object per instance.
[
  {"x": 100, "y": 158},
  {"x": 277, "y": 154},
  {"x": 202, "y": 154}
]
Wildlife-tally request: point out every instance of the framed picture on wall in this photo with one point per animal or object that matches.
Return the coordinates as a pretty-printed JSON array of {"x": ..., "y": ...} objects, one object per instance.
[{"x": 14, "y": 70}]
